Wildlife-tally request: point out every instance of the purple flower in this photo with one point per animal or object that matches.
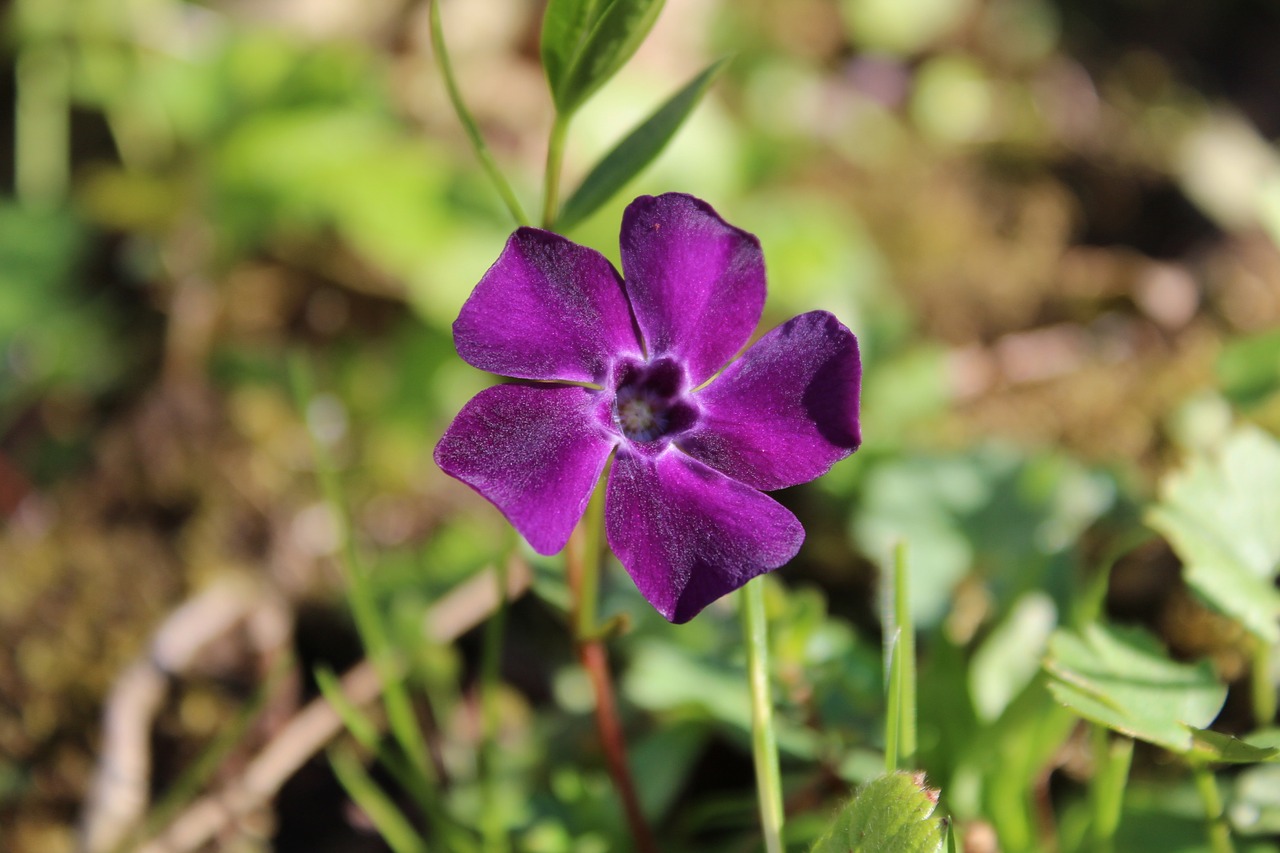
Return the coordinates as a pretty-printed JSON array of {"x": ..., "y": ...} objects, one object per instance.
[{"x": 635, "y": 367}]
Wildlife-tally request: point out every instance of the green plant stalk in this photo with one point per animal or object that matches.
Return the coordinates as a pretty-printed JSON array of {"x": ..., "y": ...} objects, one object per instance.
[
  {"x": 892, "y": 705},
  {"x": 392, "y": 826},
  {"x": 586, "y": 612},
  {"x": 1264, "y": 692},
  {"x": 495, "y": 838},
  {"x": 764, "y": 740},
  {"x": 42, "y": 131},
  {"x": 373, "y": 633},
  {"x": 468, "y": 122},
  {"x": 1218, "y": 832},
  {"x": 1112, "y": 758},
  {"x": 900, "y": 722},
  {"x": 555, "y": 160},
  {"x": 367, "y": 734}
]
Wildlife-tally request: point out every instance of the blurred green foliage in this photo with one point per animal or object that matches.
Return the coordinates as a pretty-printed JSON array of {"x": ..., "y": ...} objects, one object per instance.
[{"x": 1054, "y": 234}]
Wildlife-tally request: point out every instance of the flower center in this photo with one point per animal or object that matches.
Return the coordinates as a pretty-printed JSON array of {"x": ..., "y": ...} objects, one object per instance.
[{"x": 649, "y": 403}]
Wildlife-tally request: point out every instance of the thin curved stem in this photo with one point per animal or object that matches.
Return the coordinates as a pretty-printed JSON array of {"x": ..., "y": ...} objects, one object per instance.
[
  {"x": 468, "y": 122},
  {"x": 764, "y": 741}
]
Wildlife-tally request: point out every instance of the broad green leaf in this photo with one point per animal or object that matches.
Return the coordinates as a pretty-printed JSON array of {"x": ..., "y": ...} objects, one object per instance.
[
  {"x": 891, "y": 814},
  {"x": 1216, "y": 746},
  {"x": 614, "y": 37},
  {"x": 564, "y": 25},
  {"x": 1009, "y": 658},
  {"x": 637, "y": 150},
  {"x": 1219, "y": 513},
  {"x": 1122, "y": 679}
]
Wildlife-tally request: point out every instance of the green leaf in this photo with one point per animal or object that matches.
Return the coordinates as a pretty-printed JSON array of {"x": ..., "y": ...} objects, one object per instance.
[
  {"x": 891, "y": 814},
  {"x": 637, "y": 150},
  {"x": 614, "y": 38},
  {"x": 1219, "y": 513},
  {"x": 1122, "y": 679},
  {"x": 1249, "y": 368},
  {"x": 1009, "y": 658},
  {"x": 1216, "y": 746},
  {"x": 564, "y": 25}
]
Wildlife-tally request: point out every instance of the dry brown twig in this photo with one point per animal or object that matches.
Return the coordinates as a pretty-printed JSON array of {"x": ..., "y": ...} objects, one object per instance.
[{"x": 118, "y": 802}]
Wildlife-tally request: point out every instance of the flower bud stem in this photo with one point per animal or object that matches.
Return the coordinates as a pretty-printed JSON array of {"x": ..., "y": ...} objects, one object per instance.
[{"x": 555, "y": 159}]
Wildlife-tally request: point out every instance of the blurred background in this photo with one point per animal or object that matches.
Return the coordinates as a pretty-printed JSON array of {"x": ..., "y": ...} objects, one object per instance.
[{"x": 1052, "y": 223}]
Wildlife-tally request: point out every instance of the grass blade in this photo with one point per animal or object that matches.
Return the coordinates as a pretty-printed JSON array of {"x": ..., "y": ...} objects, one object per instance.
[{"x": 391, "y": 824}]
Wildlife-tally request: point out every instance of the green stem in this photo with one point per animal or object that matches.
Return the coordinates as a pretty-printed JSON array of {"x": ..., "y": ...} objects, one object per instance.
[
  {"x": 592, "y": 558},
  {"x": 555, "y": 159},
  {"x": 900, "y": 668},
  {"x": 495, "y": 838},
  {"x": 764, "y": 741},
  {"x": 1216, "y": 823},
  {"x": 1112, "y": 758},
  {"x": 468, "y": 122},
  {"x": 1264, "y": 692},
  {"x": 373, "y": 632},
  {"x": 42, "y": 135}
]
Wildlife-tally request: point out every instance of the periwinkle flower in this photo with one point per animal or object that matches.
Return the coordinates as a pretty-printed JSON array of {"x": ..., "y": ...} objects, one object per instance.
[{"x": 634, "y": 367}]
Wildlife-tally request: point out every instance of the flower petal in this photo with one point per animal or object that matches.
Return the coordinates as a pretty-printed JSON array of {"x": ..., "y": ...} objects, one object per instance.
[
  {"x": 535, "y": 452},
  {"x": 787, "y": 410},
  {"x": 687, "y": 534},
  {"x": 696, "y": 283},
  {"x": 547, "y": 309}
]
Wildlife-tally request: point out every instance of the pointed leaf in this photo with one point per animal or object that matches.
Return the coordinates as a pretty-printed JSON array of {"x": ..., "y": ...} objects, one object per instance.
[
  {"x": 614, "y": 37},
  {"x": 637, "y": 150},
  {"x": 1216, "y": 746},
  {"x": 891, "y": 814},
  {"x": 1219, "y": 513},
  {"x": 1122, "y": 679},
  {"x": 565, "y": 24}
]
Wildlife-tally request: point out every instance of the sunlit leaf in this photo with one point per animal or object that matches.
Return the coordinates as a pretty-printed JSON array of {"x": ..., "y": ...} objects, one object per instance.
[
  {"x": 1009, "y": 658},
  {"x": 1219, "y": 513},
  {"x": 636, "y": 151},
  {"x": 1122, "y": 679},
  {"x": 614, "y": 37},
  {"x": 565, "y": 24},
  {"x": 891, "y": 814},
  {"x": 1216, "y": 746}
]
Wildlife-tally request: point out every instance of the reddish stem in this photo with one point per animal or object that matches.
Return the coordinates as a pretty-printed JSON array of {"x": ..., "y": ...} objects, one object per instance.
[{"x": 594, "y": 658}]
